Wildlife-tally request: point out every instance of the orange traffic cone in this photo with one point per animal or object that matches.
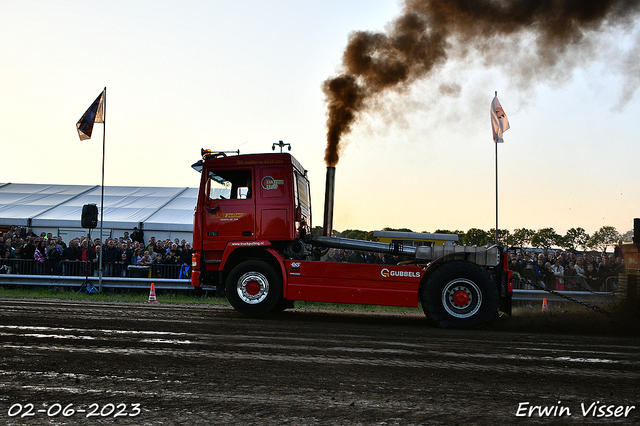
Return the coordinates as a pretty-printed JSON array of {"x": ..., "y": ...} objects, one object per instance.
[
  {"x": 545, "y": 307},
  {"x": 152, "y": 294}
]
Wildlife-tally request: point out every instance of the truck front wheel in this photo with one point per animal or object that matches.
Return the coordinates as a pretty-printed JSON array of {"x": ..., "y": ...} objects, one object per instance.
[
  {"x": 459, "y": 294},
  {"x": 253, "y": 287}
]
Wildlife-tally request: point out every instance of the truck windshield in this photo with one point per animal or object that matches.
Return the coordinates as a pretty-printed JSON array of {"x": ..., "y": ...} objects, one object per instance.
[{"x": 229, "y": 184}]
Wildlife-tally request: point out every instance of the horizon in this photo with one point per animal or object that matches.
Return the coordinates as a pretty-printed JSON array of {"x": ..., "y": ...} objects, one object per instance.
[{"x": 181, "y": 77}]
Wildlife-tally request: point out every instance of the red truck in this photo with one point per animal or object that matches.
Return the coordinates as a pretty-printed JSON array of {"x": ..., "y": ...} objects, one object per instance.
[{"x": 252, "y": 240}]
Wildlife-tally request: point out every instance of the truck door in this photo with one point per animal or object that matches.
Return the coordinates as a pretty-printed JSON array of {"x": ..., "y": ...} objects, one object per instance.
[
  {"x": 275, "y": 206},
  {"x": 229, "y": 208}
]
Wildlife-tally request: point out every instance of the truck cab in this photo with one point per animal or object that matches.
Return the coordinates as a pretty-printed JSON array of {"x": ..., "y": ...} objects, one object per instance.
[{"x": 244, "y": 202}]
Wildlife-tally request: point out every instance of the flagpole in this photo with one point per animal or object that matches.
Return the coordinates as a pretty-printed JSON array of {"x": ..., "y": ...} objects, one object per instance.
[
  {"x": 104, "y": 131},
  {"x": 496, "y": 144}
]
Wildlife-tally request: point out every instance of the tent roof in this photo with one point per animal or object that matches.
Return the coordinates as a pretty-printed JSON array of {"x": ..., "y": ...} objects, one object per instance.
[{"x": 42, "y": 205}]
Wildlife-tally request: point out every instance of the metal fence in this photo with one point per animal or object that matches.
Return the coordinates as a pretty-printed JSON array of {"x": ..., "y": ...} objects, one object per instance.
[
  {"x": 60, "y": 282},
  {"x": 574, "y": 283},
  {"x": 91, "y": 269}
]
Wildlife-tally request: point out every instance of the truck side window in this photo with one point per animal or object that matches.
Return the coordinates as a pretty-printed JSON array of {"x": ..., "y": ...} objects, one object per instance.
[
  {"x": 302, "y": 189},
  {"x": 230, "y": 184}
]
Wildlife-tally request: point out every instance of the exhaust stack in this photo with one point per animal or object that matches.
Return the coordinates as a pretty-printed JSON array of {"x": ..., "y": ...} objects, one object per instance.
[{"x": 329, "y": 195}]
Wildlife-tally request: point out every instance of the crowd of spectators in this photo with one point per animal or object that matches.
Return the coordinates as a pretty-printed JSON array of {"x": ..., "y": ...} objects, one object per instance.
[
  {"x": 50, "y": 255},
  {"x": 561, "y": 270},
  {"x": 22, "y": 251},
  {"x": 555, "y": 270}
]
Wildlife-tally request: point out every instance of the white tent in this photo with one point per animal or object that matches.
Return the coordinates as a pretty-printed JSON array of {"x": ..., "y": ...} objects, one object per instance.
[{"x": 42, "y": 206}]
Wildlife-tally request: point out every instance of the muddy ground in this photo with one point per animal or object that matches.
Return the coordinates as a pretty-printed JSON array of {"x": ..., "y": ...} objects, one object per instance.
[{"x": 162, "y": 364}]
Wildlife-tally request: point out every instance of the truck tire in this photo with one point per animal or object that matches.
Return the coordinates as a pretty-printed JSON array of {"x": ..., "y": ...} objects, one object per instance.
[
  {"x": 459, "y": 294},
  {"x": 253, "y": 287}
]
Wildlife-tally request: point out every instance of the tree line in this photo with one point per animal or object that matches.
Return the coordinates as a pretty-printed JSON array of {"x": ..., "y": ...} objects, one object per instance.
[{"x": 573, "y": 240}]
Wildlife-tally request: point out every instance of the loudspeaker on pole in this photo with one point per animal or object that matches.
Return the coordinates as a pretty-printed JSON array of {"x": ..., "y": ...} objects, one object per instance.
[{"x": 89, "y": 216}]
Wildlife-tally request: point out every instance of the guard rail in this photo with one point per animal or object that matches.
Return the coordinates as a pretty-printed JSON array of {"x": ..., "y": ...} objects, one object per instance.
[{"x": 53, "y": 281}]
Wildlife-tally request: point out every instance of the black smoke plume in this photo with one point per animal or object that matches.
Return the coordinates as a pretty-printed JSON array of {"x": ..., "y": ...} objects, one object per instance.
[{"x": 428, "y": 33}]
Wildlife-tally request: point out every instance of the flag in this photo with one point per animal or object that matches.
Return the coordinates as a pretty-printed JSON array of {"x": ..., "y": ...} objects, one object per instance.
[
  {"x": 499, "y": 120},
  {"x": 95, "y": 114}
]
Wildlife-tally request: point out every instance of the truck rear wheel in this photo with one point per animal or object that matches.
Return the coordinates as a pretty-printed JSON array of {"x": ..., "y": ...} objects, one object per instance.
[
  {"x": 253, "y": 287},
  {"x": 459, "y": 294}
]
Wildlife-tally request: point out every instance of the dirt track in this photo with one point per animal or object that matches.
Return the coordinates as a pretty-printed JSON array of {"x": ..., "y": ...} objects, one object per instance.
[{"x": 204, "y": 365}]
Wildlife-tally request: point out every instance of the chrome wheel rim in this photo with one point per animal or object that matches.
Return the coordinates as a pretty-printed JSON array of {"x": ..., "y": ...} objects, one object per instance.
[
  {"x": 253, "y": 287},
  {"x": 462, "y": 298}
]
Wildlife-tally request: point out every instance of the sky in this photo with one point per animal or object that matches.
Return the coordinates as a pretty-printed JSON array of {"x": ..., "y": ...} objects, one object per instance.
[{"x": 181, "y": 76}]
